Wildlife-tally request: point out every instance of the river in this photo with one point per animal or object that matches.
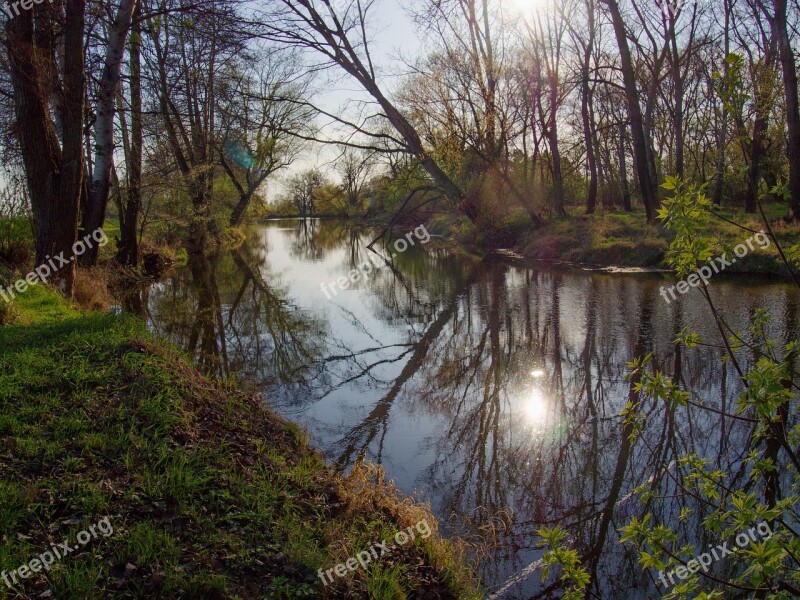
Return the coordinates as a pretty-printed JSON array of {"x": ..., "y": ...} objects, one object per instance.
[{"x": 491, "y": 389}]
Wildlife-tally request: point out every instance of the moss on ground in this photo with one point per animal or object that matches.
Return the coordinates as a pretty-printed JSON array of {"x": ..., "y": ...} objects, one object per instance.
[{"x": 209, "y": 495}]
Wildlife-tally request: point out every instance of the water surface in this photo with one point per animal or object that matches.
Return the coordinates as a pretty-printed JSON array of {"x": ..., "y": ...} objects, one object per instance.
[{"x": 491, "y": 389}]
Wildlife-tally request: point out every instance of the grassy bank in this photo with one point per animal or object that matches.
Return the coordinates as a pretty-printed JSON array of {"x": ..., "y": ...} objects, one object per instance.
[
  {"x": 209, "y": 495},
  {"x": 612, "y": 239},
  {"x": 625, "y": 240},
  {"x": 618, "y": 239}
]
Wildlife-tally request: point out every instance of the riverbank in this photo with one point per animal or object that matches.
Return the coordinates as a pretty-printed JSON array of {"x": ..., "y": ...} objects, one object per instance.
[
  {"x": 618, "y": 240},
  {"x": 209, "y": 494}
]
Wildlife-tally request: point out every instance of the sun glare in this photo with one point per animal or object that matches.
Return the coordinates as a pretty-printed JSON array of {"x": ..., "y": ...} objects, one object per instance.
[
  {"x": 535, "y": 407},
  {"x": 528, "y": 6}
]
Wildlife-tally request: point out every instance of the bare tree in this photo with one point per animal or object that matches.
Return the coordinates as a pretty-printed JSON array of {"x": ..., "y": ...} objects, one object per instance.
[
  {"x": 263, "y": 118},
  {"x": 188, "y": 58},
  {"x": 546, "y": 31},
  {"x": 337, "y": 33},
  {"x": 94, "y": 210},
  {"x": 355, "y": 168},
  {"x": 303, "y": 191},
  {"x": 130, "y": 205},
  {"x": 642, "y": 156},
  {"x": 585, "y": 41}
]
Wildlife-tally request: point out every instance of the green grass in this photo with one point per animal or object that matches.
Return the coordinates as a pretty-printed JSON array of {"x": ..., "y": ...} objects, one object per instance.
[
  {"x": 603, "y": 239},
  {"x": 210, "y": 496},
  {"x": 16, "y": 240},
  {"x": 625, "y": 239}
]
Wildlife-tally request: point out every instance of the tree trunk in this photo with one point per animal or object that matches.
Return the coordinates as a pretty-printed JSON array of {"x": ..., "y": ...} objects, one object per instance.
[
  {"x": 467, "y": 205},
  {"x": 679, "y": 88},
  {"x": 555, "y": 152},
  {"x": 128, "y": 248},
  {"x": 786, "y": 53},
  {"x": 240, "y": 208},
  {"x": 638, "y": 137},
  {"x": 95, "y": 213},
  {"x": 72, "y": 163},
  {"x": 758, "y": 146},
  {"x": 54, "y": 172},
  {"x": 623, "y": 171},
  {"x": 757, "y": 151},
  {"x": 723, "y": 126},
  {"x": 717, "y": 199},
  {"x": 591, "y": 161},
  {"x": 677, "y": 117}
]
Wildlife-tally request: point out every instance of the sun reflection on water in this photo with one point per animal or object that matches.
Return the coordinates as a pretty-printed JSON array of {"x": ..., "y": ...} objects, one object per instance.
[{"x": 536, "y": 408}]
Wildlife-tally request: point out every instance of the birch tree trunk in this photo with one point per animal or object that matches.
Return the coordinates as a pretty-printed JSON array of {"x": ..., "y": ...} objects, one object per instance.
[{"x": 95, "y": 211}]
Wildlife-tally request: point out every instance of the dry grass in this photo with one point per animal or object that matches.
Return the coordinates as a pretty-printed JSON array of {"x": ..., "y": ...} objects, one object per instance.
[
  {"x": 365, "y": 491},
  {"x": 91, "y": 289},
  {"x": 6, "y": 312}
]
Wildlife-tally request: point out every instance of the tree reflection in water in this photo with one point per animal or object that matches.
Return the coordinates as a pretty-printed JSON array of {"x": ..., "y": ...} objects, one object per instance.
[
  {"x": 492, "y": 389},
  {"x": 233, "y": 317}
]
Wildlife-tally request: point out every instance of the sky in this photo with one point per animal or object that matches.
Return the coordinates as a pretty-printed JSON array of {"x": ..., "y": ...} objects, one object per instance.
[{"x": 394, "y": 35}]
